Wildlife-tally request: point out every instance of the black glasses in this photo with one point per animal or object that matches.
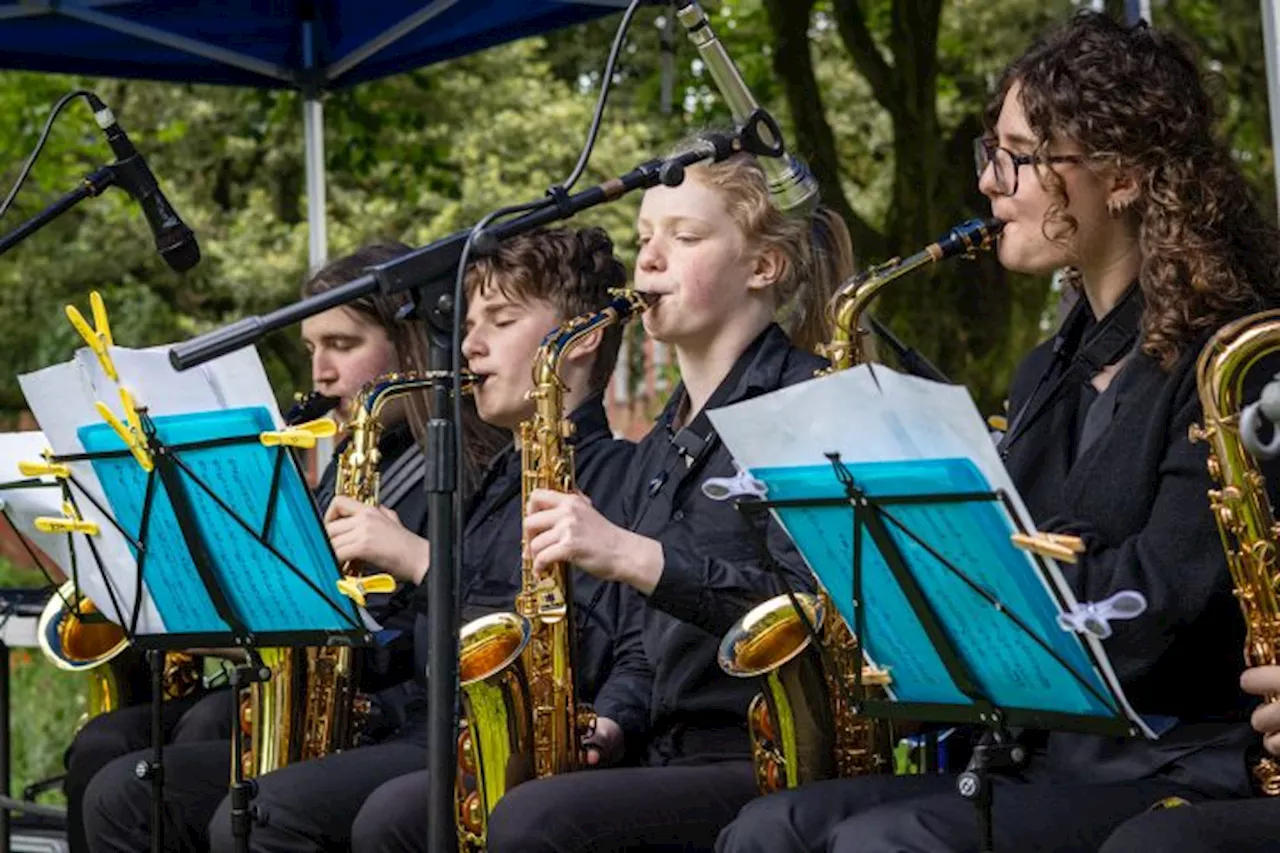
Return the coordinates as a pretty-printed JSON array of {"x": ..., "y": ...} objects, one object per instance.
[{"x": 1005, "y": 164}]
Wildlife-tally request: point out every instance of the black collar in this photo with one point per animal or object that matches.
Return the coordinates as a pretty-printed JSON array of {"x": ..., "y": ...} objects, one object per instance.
[{"x": 1085, "y": 347}]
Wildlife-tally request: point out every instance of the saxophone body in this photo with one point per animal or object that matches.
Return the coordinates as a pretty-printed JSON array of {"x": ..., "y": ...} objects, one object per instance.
[
  {"x": 311, "y": 706},
  {"x": 802, "y": 724},
  {"x": 1240, "y": 504},
  {"x": 520, "y": 709}
]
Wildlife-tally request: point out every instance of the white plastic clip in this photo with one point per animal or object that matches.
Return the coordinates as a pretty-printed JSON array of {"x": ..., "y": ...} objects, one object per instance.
[
  {"x": 1095, "y": 617},
  {"x": 740, "y": 485}
]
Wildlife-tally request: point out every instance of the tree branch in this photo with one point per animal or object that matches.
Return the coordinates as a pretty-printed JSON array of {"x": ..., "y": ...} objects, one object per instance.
[
  {"x": 852, "y": 26},
  {"x": 815, "y": 142}
]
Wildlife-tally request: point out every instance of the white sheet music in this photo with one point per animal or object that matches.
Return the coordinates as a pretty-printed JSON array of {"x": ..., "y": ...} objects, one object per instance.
[
  {"x": 873, "y": 414},
  {"x": 62, "y": 398}
]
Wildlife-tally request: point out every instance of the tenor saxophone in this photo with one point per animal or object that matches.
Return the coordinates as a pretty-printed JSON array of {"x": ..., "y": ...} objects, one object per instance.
[
  {"x": 311, "y": 705},
  {"x": 522, "y": 717},
  {"x": 1240, "y": 505},
  {"x": 802, "y": 725}
]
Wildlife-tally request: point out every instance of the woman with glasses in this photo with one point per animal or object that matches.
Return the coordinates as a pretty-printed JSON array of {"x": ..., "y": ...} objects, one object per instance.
[{"x": 1101, "y": 160}]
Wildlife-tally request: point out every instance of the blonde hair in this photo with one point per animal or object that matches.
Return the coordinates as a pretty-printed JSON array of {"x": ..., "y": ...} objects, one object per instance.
[{"x": 816, "y": 248}]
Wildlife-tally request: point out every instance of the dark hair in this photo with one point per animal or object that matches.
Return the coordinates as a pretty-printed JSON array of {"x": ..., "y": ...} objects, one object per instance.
[
  {"x": 571, "y": 269},
  {"x": 816, "y": 248},
  {"x": 1133, "y": 97},
  {"x": 482, "y": 440}
]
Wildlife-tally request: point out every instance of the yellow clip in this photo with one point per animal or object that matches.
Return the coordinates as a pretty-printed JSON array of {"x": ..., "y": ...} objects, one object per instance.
[
  {"x": 44, "y": 469},
  {"x": 70, "y": 522},
  {"x": 357, "y": 587},
  {"x": 301, "y": 435},
  {"x": 1056, "y": 546},
  {"x": 998, "y": 422},
  {"x": 130, "y": 433},
  {"x": 97, "y": 337}
]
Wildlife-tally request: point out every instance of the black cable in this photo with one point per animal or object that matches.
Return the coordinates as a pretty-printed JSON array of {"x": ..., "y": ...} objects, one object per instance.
[
  {"x": 605, "y": 84},
  {"x": 44, "y": 137}
]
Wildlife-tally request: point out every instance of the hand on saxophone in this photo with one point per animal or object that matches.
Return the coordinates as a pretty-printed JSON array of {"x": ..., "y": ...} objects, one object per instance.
[
  {"x": 604, "y": 744},
  {"x": 374, "y": 535},
  {"x": 562, "y": 527},
  {"x": 1265, "y": 681}
]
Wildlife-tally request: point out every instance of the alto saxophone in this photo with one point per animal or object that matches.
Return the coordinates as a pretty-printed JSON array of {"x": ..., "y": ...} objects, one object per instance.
[
  {"x": 1245, "y": 518},
  {"x": 802, "y": 726},
  {"x": 522, "y": 717},
  {"x": 311, "y": 705}
]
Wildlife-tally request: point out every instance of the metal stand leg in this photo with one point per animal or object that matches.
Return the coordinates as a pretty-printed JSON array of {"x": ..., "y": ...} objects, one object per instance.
[
  {"x": 5, "y": 757},
  {"x": 153, "y": 770},
  {"x": 996, "y": 751},
  {"x": 242, "y": 790}
]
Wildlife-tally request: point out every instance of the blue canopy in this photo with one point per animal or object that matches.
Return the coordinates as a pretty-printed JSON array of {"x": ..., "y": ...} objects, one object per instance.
[
  {"x": 310, "y": 45},
  {"x": 320, "y": 44}
]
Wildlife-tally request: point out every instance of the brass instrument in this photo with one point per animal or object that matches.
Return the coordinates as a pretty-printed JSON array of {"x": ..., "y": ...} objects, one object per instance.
[
  {"x": 1240, "y": 505},
  {"x": 98, "y": 647},
  {"x": 516, "y": 669},
  {"x": 801, "y": 725},
  {"x": 311, "y": 705}
]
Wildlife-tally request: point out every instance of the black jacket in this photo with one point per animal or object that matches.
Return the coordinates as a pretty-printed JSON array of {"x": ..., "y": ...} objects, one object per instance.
[
  {"x": 612, "y": 672},
  {"x": 713, "y": 571},
  {"x": 1137, "y": 494}
]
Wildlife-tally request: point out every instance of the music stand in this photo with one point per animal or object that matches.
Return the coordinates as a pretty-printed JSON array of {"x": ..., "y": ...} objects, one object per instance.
[
  {"x": 230, "y": 547},
  {"x": 917, "y": 557}
]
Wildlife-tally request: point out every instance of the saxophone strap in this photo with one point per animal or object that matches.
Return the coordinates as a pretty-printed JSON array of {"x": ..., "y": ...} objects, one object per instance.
[{"x": 1113, "y": 337}]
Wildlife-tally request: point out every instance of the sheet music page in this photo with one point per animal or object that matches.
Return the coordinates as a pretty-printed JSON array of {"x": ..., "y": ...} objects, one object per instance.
[
  {"x": 891, "y": 428},
  {"x": 62, "y": 396}
]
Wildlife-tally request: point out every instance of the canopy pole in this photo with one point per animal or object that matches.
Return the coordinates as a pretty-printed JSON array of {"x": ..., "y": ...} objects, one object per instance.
[
  {"x": 313, "y": 131},
  {"x": 1271, "y": 47}
]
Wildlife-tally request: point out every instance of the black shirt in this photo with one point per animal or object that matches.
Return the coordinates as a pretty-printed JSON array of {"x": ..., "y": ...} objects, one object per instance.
[
  {"x": 1137, "y": 494},
  {"x": 612, "y": 672},
  {"x": 713, "y": 572}
]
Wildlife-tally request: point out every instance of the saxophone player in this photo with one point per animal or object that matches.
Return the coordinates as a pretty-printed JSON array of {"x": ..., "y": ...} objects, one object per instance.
[
  {"x": 1100, "y": 157},
  {"x": 531, "y": 285},
  {"x": 348, "y": 347},
  {"x": 721, "y": 262}
]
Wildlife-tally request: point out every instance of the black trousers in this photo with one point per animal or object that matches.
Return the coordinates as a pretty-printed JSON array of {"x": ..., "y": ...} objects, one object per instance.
[
  {"x": 674, "y": 807},
  {"x": 309, "y": 806},
  {"x": 925, "y": 814},
  {"x": 109, "y": 736},
  {"x": 1224, "y": 826}
]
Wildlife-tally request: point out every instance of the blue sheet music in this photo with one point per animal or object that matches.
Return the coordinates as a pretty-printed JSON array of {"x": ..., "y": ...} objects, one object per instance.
[
  {"x": 1009, "y": 666},
  {"x": 263, "y": 590}
]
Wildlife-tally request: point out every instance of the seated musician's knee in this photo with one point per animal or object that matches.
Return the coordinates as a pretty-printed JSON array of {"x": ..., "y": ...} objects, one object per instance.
[
  {"x": 116, "y": 798},
  {"x": 1187, "y": 829},
  {"x": 394, "y": 817}
]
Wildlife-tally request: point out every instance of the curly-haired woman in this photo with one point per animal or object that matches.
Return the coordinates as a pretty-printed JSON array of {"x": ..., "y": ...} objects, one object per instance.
[{"x": 1101, "y": 159}]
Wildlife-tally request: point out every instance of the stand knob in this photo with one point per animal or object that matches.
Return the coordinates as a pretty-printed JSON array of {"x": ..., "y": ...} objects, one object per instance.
[
  {"x": 146, "y": 769},
  {"x": 970, "y": 784}
]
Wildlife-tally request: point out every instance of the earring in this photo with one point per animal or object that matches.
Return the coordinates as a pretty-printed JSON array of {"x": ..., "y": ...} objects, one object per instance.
[{"x": 1116, "y": 208}]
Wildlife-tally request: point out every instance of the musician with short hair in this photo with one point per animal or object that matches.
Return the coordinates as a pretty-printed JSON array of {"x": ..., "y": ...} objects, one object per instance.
[{"x": 1100, "y": 158}]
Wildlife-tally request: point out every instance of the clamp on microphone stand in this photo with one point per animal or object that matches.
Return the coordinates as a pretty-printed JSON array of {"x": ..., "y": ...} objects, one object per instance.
[{"x": 91, "y": 185}]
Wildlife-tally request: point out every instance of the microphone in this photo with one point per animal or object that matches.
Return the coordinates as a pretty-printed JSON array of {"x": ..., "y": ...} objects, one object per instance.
[
  {"x": 791, "y": 184},
  {"x": 174, "y": 240}
]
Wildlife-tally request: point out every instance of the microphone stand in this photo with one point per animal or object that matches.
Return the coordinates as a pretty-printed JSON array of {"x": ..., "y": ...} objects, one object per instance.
[{"x": 90, "y": 186}]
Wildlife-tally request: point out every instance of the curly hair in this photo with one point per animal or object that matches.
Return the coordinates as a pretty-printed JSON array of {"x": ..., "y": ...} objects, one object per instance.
[
  {"x": 571, "y": 269},
  {"x": 1134, "y": 99}
]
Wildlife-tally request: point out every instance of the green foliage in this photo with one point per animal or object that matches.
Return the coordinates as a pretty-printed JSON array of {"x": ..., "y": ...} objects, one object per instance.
[{"x": 45, "y": 703}]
